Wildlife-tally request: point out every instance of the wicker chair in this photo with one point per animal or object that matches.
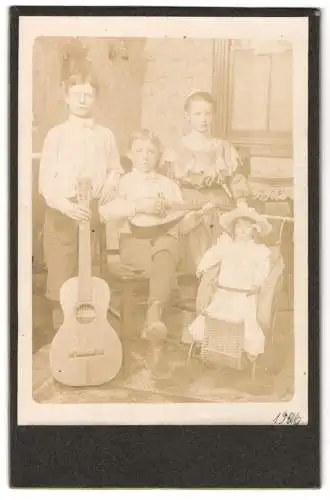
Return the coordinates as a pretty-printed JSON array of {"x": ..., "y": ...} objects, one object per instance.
[{"x": 224, "y": 341}]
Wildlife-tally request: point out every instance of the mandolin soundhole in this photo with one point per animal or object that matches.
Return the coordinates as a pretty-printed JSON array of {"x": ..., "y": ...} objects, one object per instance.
[{"x": 85, "y": 313}]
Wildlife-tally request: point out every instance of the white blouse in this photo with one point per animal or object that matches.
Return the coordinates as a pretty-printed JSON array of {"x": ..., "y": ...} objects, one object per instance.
[{"x": 227, "y": 159}]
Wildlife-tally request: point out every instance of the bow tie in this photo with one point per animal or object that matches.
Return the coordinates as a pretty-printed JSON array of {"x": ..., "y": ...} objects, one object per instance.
[{"x": 89, "y": 124}]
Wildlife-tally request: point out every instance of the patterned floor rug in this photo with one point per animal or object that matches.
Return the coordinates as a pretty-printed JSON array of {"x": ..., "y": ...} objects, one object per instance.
[{"x": 193, "y": 382}]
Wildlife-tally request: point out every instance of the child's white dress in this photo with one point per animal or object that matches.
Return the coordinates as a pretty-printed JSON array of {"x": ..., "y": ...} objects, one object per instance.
[{"x": 244, "y": 266}]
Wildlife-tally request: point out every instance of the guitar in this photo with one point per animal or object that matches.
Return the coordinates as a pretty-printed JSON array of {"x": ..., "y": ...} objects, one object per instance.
[{"x": 86, "y": 351}]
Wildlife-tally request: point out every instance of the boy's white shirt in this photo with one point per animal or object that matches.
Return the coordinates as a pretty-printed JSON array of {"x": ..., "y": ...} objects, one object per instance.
[
  {"x": 78, "y": 147},
  {"x": 136, "y": 186}
]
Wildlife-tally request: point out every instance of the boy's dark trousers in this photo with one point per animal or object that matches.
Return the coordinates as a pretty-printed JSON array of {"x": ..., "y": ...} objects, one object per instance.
[
  {"x": 157, "y": 258},
  {"x": 60, "y": 240}
]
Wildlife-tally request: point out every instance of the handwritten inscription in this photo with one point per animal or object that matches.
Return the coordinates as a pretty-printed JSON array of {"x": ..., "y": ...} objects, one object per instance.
[
  {"x": 86, "y": 354},
  {"x": 286, "y": 418}
]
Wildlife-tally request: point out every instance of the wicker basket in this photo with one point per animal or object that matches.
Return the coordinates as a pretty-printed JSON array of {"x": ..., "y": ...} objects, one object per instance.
[{"x": 223, "y": 343}]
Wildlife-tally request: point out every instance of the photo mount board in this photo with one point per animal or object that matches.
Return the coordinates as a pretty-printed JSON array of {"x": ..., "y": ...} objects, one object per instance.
[{"x": 170, "y": 456}]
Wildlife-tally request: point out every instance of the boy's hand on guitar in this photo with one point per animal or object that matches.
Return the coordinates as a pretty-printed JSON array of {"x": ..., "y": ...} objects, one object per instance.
[
  {"x": 77, "y": 212},
  {"x": 110, "y": 188}
]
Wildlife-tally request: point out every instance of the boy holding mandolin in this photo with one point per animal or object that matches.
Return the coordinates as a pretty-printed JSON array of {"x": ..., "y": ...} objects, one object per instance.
[
  {"x": 77, "y": 148},
  {"x": 149, "y": 205}
]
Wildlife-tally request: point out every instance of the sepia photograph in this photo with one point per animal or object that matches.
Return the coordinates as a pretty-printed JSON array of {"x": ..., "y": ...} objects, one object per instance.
[{"x": 163, "y": 202}]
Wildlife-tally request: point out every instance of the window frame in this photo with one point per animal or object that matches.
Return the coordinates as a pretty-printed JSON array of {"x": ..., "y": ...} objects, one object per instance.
[{"x": 263, "y": 143}]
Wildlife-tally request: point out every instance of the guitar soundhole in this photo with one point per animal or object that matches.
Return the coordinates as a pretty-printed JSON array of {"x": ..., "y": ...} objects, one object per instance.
[{"x": 85, "y": 313}]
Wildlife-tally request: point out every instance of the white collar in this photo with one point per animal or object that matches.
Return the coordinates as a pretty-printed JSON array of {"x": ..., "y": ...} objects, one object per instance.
[
  {"x": 197, "y": 142},
  {"x": 145, "y": 175},
  {"x": 81, "y": 122},
  {"x": 244, "y": 243}
]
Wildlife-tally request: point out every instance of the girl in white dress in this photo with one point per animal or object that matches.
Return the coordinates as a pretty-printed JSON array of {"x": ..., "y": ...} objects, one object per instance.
[{"x": 244, "y": 265}]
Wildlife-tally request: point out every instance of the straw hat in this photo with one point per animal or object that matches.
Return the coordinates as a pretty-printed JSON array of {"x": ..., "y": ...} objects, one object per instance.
[{"x": 261, "y": 223}]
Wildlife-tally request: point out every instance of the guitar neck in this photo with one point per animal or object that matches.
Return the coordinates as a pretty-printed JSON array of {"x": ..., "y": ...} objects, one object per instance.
[
  {"x": 85, "y": 287},
  {"x": 85, "y": 265}
]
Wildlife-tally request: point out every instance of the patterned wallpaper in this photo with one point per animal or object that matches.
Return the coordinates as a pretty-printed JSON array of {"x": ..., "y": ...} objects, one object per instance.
[
  {"x": 174, "y": 68},
  {"x": 146, "y": 90},
  {"x": 120, "y": 81}
]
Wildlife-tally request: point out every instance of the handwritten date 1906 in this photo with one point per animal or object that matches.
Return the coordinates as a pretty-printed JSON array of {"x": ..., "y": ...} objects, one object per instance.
[{"x": 285, "y": 418}]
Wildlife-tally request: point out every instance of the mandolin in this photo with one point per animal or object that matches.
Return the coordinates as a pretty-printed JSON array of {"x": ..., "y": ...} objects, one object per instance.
[
  {"x": 172, "y": 214},
  {"x": 86, "y": 351}
]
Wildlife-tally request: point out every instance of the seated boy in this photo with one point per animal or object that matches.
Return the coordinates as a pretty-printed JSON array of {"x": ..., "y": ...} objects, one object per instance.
[{"x": 144, "y": 191}]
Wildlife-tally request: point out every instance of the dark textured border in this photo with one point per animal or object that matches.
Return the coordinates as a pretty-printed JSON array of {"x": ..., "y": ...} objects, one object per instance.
[{"x": 170, "y": 456}]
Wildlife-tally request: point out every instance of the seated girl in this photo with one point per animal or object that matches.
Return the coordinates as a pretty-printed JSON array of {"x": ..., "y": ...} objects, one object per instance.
[{"x": 242, "y": 266}]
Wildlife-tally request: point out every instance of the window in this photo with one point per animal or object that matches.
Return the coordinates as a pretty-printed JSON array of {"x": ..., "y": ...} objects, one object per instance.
[{"x": 253, "y": 88}]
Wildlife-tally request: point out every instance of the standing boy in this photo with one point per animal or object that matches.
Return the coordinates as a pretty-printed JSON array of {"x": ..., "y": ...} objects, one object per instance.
[{"x": 76, "y": 148}]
